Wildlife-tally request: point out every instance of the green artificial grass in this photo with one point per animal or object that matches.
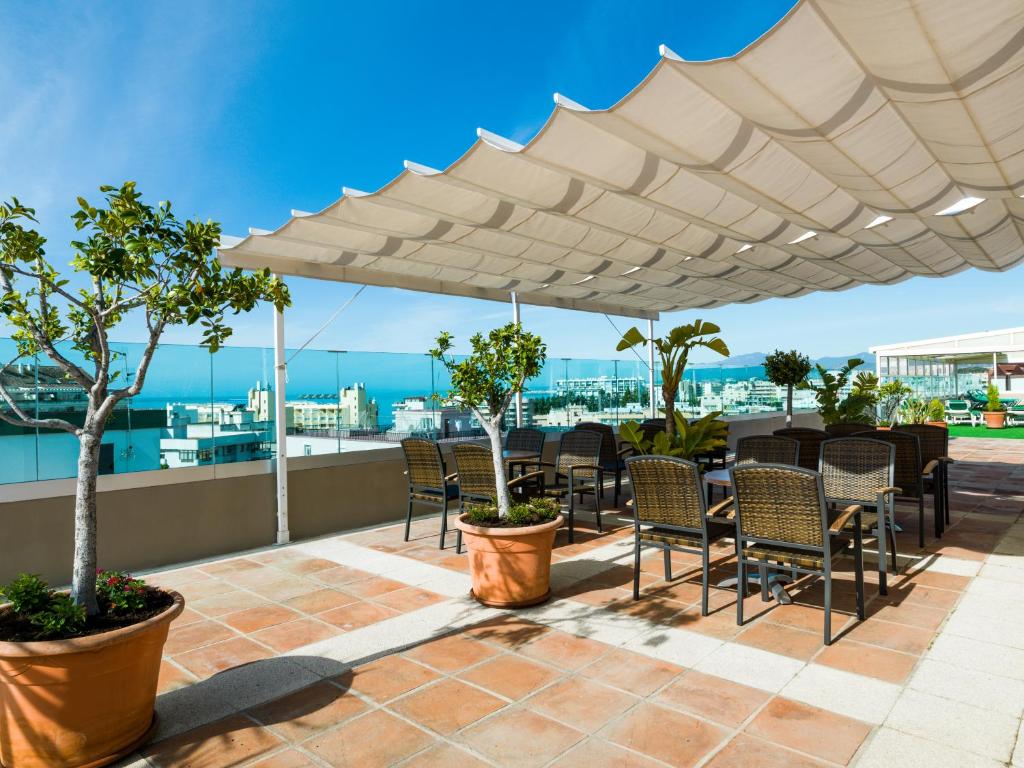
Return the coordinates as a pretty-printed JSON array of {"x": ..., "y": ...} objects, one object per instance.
[{"x": 1006, "y": 433}]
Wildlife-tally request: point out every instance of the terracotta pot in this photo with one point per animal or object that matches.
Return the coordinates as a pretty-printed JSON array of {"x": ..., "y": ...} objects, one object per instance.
[
  {"x": 994, "y": 419},
  {"x": 83, "y": 702},
  {"x": 511, "y": 567},
  {"x": 942, "y": 424},
  {"x": 883, "y": 429}
]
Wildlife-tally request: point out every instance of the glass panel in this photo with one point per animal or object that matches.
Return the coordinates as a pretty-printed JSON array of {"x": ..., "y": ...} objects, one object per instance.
[
  {"x": 238, "y": 423},
  {"x": 20, "y": 444}
]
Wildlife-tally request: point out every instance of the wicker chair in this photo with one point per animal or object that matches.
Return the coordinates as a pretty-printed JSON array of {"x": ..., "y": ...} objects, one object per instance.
[
  {"x": 847, "y": 429},
  {"x": 935, "y": 458},
  {"x": 428, "y": 482},
  {"x": 782, "y": 519},
  {"x": 907, "y": 475},
  {"x": 611, "y": 454},
  {"x": 668, "y": 503},
  {"x": 477, "y": 484},
  {"x": 578, "y": 466},
  {"x": 767, "y": 449},
  {"x": 855, "y": 470},
  {"x": 810, "y": 444},
  {"x": 716, "y": 458},
  {"x": 526, "y": 440}
]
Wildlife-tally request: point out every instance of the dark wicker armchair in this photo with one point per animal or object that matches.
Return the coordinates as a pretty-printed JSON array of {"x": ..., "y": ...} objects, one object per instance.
[
  {"x": 523, "y": 439},
  {"x": 577, "y": 470},
  {"x": 428, "y": 482},
  {"x": 611, "y": 454},
  {"x": 810, "y": 444},
  {"x": 767, "y": 449},
  {"x": 783, "y": 520},
  {"x": 908, "y": 476},
  {"x": 477, "y": 485},
  {"x": 669, "y": 511},
  {"x": 856, "y": 470},
  {"x": 935, "y": 460},
  {"x": 847, "y": 429}
]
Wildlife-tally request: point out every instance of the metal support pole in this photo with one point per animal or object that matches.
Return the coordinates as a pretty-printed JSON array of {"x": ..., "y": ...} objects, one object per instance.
[
  {"x": 519, "y": 395},
  {"x": 280, "y": 429},
  {"x": 650, "y": 368}
]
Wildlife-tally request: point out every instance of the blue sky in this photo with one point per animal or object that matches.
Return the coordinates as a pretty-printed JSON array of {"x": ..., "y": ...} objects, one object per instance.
[{"x": 242, "y": 111}]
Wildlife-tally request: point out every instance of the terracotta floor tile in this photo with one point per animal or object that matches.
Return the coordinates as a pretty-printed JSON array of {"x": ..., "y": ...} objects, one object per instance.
[
  {"x": 321, "y": 600},
  {"x": 305, "y": 565},
  {"x": 713, "y": 698},
  {"x": 308, "y": 711},
  {"x": 581, "y": 703},
  {"x": 375, "y": 740},
  {"x": 356, "y": 615},
  {"x": 373, "y": 587},
  {"x": 632, "y": 672},
  {"x": 444, "y": 756},
  {"x": 237, "y": 565},
  {"x": 211, "y": 659},
  {"x": 173, "y": 677},
  {"x": 390, "y": 676},
  {"x": 665, "y": 734},
  {"x": 228, "y": 602},
  {"x": 564, "y": 650},
  {"x": 294, "y": 634},
  {"x": 804, "y": 617},
  {"x": 508, "y": 631},
  {"x": 196, "y": 635},
  {"x": 746, "y": 752},
  {"x": 255, "y": 619},
  {"x": 232, "y": 741},
  {"x": 868, "y": 660},
  {"x": 285, "y": 588},
  {"x": 200, "y": 590},
  {"x": 918, "y": 594},
  {"x": 933, "y": 579},
  {"x": 187, "y": 616},
  {"x": 520, "y": 739},
  {"x": 177, "y": 578},
  {"x": 778, "y": 638},
  {"x": 809, "y": 729},
  {"x": 896, "y": 637},
  {"x": 288, "y": 758},
  {"x": 719, "y": 624},
  {"x": 447, "y": 706},
  {"x": 409, "y": 599},
  {"x": 340, "y": 575},
  {"x": 450, "y": 654},
  {"x": 511, "y": 676},
  {"x": 596, "y": 753},
  {"x": 908, "y": 613}
]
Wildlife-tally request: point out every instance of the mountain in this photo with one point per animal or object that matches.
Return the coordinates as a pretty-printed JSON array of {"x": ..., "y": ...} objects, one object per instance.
[{"x": 749, "y": 359}]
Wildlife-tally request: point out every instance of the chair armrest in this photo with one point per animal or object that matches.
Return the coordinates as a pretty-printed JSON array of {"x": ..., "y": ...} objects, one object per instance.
[
  {"x": 930, "y": 467},
  {"x": 889, "y": 490},
  {"x": 625, "y": 451},
  {"x": 721, "y": 508},
  {"x": 946, "y": 460},
  {"x": 840, "y": 522},
  {"x": 516, "y": 482},
  {"x": 451, "y": 478}
]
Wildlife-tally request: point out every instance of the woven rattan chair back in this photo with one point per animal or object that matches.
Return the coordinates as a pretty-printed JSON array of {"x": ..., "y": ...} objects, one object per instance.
[
  {"x": 854, "y": 469},
  {"x": 934, "y": 440},
  {"x": 475, "y": 466},
  {"x": 810, "y": 444},
  {"x": 522, "y": 439},
  {"x": 666, "y": 491},
  {"x": 578, "y": 447},
  {"x": 609, "y": 452},
  {"x": 766, "y": 449},
  {"x": 847, "y": 429},
  {"x": 423, "y": 460},
  {"x": 907, "y": 472},
  {"x": 780, "y": 504}
]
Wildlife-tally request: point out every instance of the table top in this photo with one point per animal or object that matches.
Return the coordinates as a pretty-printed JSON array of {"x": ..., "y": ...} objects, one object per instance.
[{"x": 718, "y": 477}]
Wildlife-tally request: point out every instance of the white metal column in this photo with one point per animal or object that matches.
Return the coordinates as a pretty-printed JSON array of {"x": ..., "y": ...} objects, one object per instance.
[
  {"x": 281, "y": 429},
  {"x": 650, "y": 368},
  {"x": 519, "y": 395}
]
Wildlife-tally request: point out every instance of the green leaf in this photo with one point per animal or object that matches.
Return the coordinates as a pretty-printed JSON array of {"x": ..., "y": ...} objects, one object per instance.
[{"x": 630, "y": 338}]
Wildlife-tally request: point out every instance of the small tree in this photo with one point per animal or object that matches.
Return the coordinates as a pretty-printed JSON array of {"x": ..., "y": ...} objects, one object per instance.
[
  {"x": 497, "y": 368},
  {"x": 674, "y": 351},
  {"x": 891, "y": 396},
  {"x": 787, "y": 369},
  {"x": 142, "y": 264}
]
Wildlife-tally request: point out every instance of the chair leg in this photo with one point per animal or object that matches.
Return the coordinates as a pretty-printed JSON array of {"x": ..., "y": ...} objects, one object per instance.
[
  {"x": 710, "y": 493},
  {"x": 881, "y": 532},
  {"x": 598, "y": 492},
  {"x": 618, "y": 485},
  {"x": 636, "y": 566},
  {"x": 705, "y": 568},
  {"x": 741, "y": 590},
  {"x": 945, "y": 492},
  {"x": 408, "y": 519},
  {"x": 828, "y": 608},
  {"x": 572, "y": 518},
  {"x": 444, "y": 523},
  {"x": 458, "y": 541},
  {"x": 763, "y": 574},
  {"x": 892, "y": 547},
  {"x": 668, "y": 563},
  {"x": 920, "y": 521},
  {"x": 858, "y": 569}
]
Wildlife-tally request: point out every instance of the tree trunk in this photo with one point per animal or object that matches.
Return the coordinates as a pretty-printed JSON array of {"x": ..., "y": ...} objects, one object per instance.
[
  {"x": 500, "y": 480},
  {"x": 669, "y": 397},
  {"x": 789, "y": 406},
  {"x": 83, "y": 579}
]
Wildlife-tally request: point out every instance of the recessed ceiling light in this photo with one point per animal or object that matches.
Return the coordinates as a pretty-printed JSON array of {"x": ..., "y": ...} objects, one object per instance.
[
  {"x": 588, "y": 277},
  {"x": 805, "y": 236},
  {"x": 745, "y": 247},
  {"x": 878, "y": 220},
  {"x": 960, "y": 206},
  {"x": 631, "y": 270}
]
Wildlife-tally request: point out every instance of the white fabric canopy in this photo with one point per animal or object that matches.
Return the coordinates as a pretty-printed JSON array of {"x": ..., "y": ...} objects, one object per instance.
[{"x": 816, "y": 159}]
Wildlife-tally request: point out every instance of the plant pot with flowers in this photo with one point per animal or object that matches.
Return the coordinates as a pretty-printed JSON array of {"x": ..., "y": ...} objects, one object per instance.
[
  {"x": 78, "y": 668},
  {"x": 994, "y": 412},
  {"x": 509, "y": 545}
]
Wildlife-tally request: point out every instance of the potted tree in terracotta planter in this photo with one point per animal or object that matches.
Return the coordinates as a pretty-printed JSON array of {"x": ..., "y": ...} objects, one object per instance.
[
  {"x": 994, "y": 412},
  {"x": 891, "y": 396},
  {"x": 78, "y": 668},
  {"x": 936, "y": 413},
  {"x": 509, "y": 544},
  {"x": 787, "y": 369}
]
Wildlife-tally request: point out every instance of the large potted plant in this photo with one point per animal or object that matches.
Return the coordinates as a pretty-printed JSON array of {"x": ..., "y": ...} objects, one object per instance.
[
  {"x": 688, "y": 441},
  {"x": 674, "y": 352},
  {"x": 891, "y": 396},
  {"x": 936, "y": 413},
  {"x": 994, "y": 412},
  {"x": 78, "y": 668},
  {"x": 509, "y": 545},
  {"x": 857, "y": 406},
  {"x": 787, "y": 369}
]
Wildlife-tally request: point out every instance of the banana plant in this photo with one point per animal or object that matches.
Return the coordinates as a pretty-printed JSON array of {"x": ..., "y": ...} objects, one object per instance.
[{"x": 688, "y": 440}]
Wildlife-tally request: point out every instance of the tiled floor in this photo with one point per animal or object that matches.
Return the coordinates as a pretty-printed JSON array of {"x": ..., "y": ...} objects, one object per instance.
[{"x": 363, "y": 650}]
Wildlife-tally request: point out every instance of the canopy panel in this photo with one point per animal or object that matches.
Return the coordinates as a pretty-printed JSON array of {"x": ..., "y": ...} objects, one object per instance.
[{"x": 821, "y": 157}]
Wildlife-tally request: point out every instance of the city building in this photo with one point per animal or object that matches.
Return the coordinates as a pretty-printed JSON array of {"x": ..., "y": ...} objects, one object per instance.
[
  {"x": 352, "y": 409},
  {"x": 416, "y": 415}
]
